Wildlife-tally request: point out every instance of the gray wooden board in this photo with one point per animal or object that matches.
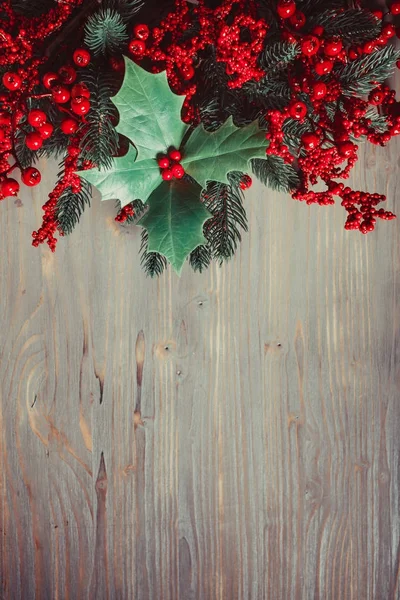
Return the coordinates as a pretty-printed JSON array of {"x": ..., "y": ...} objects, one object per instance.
[{"x": 231, "y": 435}]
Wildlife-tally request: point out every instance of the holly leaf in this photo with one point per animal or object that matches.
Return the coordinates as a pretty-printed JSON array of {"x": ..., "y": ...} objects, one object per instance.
[
  {"x": 175, "y": 221},
  {"x": 211, "y": 156},
  {"x": 149, "y": 112},
  {"x": 126, "y": 180}
]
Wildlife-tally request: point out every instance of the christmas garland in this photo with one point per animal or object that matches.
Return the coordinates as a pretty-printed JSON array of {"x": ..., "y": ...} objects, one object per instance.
[{"x": 167, "y": 110}]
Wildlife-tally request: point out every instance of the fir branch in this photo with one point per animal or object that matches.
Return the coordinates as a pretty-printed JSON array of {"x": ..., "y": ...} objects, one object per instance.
[
  {"x": 378, "y": 122},
  {"x": 278, "y": 56},
  {"x": 200, "y": 258},
  {"x": 293, "y": 130},
  {"x": 363, "y": 74},
  {"x": 100, "y": 139},
  {"x": 105, "y": 32},
  {"x": 153, "y": 263},
  {"x": 223, "y": 230},
  {"x": 24, "y": 156},
  {"x": 273, "y": 172},
  {"x": 354, "y": 26},
  {"x": 70, "y": 206},
  {"x": 29, "y": 8}
]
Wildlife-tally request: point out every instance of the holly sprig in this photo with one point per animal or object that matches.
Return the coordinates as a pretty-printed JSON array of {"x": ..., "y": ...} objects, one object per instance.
[{"x": 167, "y": 166}]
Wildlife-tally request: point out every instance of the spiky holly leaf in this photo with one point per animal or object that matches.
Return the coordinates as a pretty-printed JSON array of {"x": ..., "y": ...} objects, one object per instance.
[
  {"x": 211, "y": 156},
  {"x": 149, "y": 112},
  {"x": 126, "y": 180},
  {"x": 175, "y": 220}
]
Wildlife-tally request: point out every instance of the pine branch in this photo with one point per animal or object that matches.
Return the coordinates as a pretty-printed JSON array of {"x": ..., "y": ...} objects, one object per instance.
[
  {"x": 354, "y": 26},
  {"x": 70, "y": 206},
  {"x": 278, "y": 56},
  {"x": 105, "y": 32},
  {"x": 223, "y": 231},
  {"x": 152, "y": 263},
  {"x": 293, "y": 130},
  {"x": 273, "y": 172},
  {"x": 29, "y": 8},
  {"x": 100, "y": 140},
  {"x": 200, "y": 258},
  {"x": 363, "y": 74}
]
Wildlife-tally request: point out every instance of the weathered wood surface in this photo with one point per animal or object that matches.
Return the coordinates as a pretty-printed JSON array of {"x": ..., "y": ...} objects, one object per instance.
[{"x": 233, "y": 435}]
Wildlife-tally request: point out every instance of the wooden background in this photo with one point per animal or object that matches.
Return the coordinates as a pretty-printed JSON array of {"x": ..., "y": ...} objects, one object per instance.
[{"x": 233, "y": 435}]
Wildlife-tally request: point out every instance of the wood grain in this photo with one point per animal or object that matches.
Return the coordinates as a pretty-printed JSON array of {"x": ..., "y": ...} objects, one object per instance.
[{"x": 233, "y": 435}]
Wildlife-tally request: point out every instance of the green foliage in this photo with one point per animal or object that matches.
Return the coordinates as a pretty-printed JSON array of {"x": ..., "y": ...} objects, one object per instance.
[
  {"x": 360, "y": 76},
  {"x": 70, "y": 206},
  {"x": 354, "y": 25},
  {"x": 105, "y": 32},
  {"x": 200, "y": 258},
  {"x": 273, "y": 172},
  {"x": 293, "y": 130},
  {"x": 211, "y": 156},
  {"x": 278, "y": 56},
  {"x": 153, "y": 263},
  {"x": 149, "y": 113},
  {"x": 175, "y": 220},
  {"x": 100, "y": 140},
  {"x": 378, "y": 121},
  {"x": 223, "y": 230},
  {"x": 126, "y": 8}
]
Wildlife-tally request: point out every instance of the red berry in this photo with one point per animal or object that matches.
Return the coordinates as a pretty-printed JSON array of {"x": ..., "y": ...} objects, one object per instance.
[
  {"x": 376, "y": 97},
  {"x": 163, "y": 162},
  {"x": 81, "y": 57},
  {"x": 167, "y": 175},
  {"x": 378, "y": 14},
  {"x": 11, "y": 81},
  {"x": 353, "y": 54},
  {"x": 49, "y": 80},
  {"x": 36, "y": 118},
  {"x": 318, "y": 30},
  {"x": 31, "y": 176},
  {"x": 395, "y": 8},
  {"x": 310, "y": 45},
  {"x": 33, "y": 141},
  {"x": 388, "y": 31},
  {"x": 298, "y": 110},
  {"x": 5, "y": 119},
  {"x": 69, "y": 126},
  {"x": 246, "y": 182},
  {"x": 9, "y": 187},
  {"x": 80, "y": 105},
  {"x": 310, "y": 141},
  {"x": 346, "y": 149},
  {"x": 2, "y": 135},
  {"x": 333, "y": 47},
  {"x": 74, "y": 151},
  {"x": 80, "y": 89},
  {"x": 368, "y": 47},
  {"x": 137, "y": 47},
  {"x": 60, "y": 94},
  {"x": 286, "y": 8},
  {"x": 178, "y": 171},
  {"x": 323, "y": 67},
  {"x": 46, "y": 130},
  {"x": 188, "y": 73},
  {"x": 141, "y": 31},
  {"x": 298, "y": 20},
  {"x": 319, "y": 90},
  {"x": 175, "y": 155},
  {"x": 67, "y": 74}
]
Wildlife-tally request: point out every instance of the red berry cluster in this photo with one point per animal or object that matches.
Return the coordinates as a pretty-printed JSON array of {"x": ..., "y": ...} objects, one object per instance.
[
  {"x": 170, "y": 165},
  {"x": 124, "y": 214}
]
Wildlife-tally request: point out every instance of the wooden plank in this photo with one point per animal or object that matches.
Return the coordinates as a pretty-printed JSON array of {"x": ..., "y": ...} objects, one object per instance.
[{"x": 226, "y": 435}]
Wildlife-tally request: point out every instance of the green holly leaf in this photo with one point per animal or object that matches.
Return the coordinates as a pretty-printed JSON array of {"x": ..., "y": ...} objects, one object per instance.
[
  {"x": 211, "y": 156},
  {"x": 126, "y": 180},
  {"x": 175, "y": 221},
  {"x": 149, "y": 112}
]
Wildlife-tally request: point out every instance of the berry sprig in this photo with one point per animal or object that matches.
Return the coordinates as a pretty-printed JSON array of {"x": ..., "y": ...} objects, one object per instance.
[{"x": 170, "y": 166}]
